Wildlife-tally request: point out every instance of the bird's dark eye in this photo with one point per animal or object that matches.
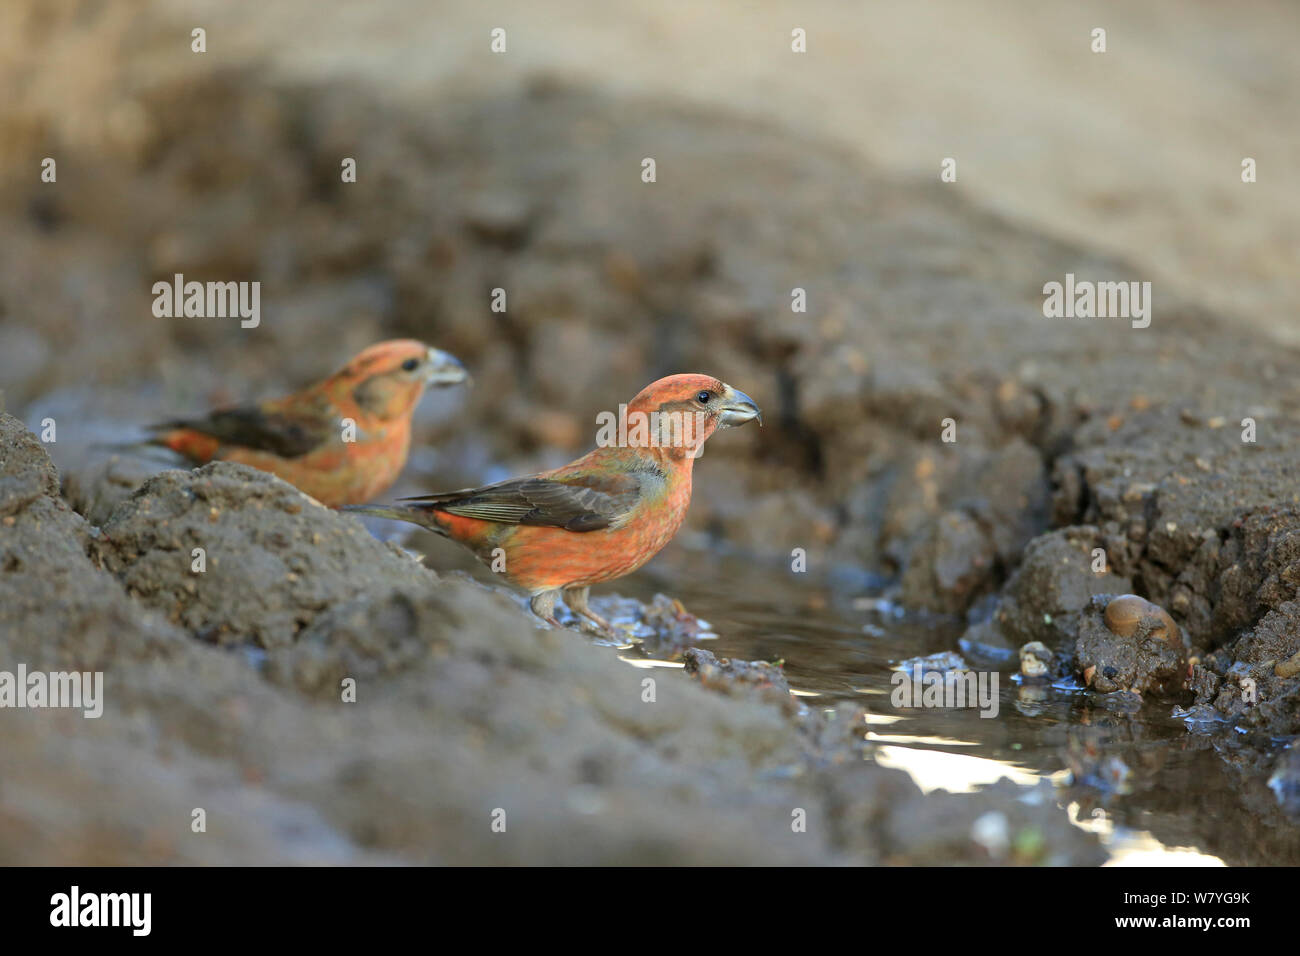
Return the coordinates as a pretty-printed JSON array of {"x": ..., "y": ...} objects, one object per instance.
[
  {"x": 410, "y": 365},
  {"x": 703, "y": 397}
]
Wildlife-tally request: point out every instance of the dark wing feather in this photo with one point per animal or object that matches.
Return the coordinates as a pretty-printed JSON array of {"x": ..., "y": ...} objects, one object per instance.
[
  {"x": 582, "y": 502},
  {"x": 289, "y": 435}
]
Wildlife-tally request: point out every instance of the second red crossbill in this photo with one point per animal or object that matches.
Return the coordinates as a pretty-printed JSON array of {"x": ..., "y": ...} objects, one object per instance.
[
  {"x": 598, "y": 518},
  {"x": 342, "y": 440}
]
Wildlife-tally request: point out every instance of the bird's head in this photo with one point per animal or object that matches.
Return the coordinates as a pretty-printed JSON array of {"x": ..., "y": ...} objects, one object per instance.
[
  {"x": 690, "y": 408},
  {"x": 387, "y": 379}
]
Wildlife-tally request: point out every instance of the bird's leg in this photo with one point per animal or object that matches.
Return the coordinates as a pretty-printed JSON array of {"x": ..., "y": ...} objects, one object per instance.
[
  {"x": 576, "y": 598},
  {"x": 543, "y": 605}
]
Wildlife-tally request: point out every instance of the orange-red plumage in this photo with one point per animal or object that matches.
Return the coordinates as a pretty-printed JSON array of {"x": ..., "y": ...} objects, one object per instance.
[
  {"x": 600, "y": 517},
  {"x": 342, "y": 440}
]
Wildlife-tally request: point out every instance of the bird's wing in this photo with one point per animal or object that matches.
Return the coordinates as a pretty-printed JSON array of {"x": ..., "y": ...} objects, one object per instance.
[
  {"x": 584, "y": 501},
  {"x": 288, "y": 432}
]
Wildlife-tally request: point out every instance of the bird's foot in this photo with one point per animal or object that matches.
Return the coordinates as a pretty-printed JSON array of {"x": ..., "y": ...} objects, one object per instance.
[
  {"x": 543, "y": 605},
  {"x": 577, "y": 601},
  {"x": 602, "y": 628}
]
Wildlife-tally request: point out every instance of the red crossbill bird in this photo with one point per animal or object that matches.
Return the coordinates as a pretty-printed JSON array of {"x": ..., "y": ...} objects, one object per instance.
[
  {"x": 342, "y": 440},
  {"x": 595, "y": 519}
]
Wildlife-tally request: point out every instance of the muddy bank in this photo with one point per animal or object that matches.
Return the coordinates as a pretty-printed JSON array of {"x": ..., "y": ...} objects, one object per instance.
[
  {"x": 463, "y": 711},
  {"x": 1189, "y": 515},
  {"x": 923, "y": 321}
]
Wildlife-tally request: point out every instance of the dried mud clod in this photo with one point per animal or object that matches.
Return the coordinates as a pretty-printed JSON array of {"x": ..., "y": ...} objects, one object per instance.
[
  {"x": 1045, "y": 599},
  {"x": 1036, "y": 661},
  {"x": 271, "y": 558},
  {"x": 1251, "y": 682},
  {"x": 1127, "y": 643},
  {"x": 733, "y": 676}
]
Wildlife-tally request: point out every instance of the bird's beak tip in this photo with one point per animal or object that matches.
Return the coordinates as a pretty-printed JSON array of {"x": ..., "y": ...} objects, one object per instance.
[
  {"x": 740, "y": 408},
  {"x": 446, "y": 369}
]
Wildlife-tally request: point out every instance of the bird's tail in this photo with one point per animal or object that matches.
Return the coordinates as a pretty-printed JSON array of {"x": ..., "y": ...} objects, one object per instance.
[{"x": 413, "y": 514}]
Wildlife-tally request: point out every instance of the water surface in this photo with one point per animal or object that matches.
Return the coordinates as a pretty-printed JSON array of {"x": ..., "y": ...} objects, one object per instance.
[{"x": 1152, "y": 789}]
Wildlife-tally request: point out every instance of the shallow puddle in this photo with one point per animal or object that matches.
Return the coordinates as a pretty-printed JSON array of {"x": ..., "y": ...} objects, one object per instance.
[{"x": 1153, "y": 791}]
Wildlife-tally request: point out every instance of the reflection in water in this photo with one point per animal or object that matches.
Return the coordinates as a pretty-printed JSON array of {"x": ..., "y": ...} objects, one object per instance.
[
  {"x": 956, "y": 773},
  {"x": 1154, "y": 793},
  {"x": 1137, "y": 847}
]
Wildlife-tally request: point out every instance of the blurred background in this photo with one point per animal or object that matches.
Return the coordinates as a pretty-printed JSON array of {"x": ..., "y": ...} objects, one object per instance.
[
  {"x": 521, "y": 171},
  {"x": 775, "y": 170}
]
